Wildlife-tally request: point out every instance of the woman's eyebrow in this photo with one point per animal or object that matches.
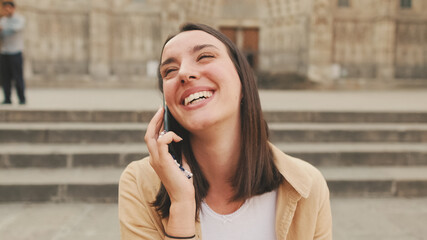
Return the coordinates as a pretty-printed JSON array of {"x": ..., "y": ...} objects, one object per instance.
[
  {"x": 167, "y": 61},
  {"x": 200, "y": 47},
  {"x": 195, "y": 49}
]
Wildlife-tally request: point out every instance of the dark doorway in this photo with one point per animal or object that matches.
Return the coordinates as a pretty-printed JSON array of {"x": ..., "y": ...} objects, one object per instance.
[{"x": 247, "y": 40}]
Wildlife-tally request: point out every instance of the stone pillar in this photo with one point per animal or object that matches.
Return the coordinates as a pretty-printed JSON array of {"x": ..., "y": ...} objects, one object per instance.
[
  {"x": 385, "y": 35},
  {"x": 320, "y": 43},
  {"x": 99, "y": 39}
]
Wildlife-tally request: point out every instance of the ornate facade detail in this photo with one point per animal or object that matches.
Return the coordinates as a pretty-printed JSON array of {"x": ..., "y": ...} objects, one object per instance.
[{"x": 117, "y": 42}]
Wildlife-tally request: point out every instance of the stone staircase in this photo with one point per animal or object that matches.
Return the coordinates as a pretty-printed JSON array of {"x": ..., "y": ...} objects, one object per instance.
[{"x": 78, "y": 155}]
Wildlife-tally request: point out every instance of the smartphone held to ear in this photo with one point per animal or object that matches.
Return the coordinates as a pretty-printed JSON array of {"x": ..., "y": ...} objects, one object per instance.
[
  {"x": 165, "y": 115},
  {"x": 172, "y": 146},
  {"x": 166, "y": 127}
]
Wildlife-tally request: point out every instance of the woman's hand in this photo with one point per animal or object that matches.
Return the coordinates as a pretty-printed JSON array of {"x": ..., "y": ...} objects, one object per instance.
[
  {"x": 178, "y": 186},
  {"x": 180, "y": 189}
]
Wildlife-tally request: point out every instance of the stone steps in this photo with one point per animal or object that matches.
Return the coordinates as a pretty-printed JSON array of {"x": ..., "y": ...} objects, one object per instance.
[
  {"x": 78, "y": 155},
  {"x": 100, "y": 184},
  {"x": 59, "y": 185},
  {"x": 119, "y": 155},
  {"x": 54, "y": 116},
  {"x": 389, "y": 181},
  {"x": 279, "y": 132},
  {"x": 116, "y": 116}
]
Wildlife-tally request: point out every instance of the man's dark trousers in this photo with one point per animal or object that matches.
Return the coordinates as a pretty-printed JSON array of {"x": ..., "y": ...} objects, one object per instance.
[{"x": 11, "y": 67}]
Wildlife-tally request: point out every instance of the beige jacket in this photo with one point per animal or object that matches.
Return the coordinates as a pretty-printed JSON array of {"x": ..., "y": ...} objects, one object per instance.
[{"x": 302, "y": 212}]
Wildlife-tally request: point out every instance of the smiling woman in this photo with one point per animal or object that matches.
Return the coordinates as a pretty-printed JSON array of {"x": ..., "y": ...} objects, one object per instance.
[
  {"x": 242, "y": 187},
  {"x": 191, "y": 68}
]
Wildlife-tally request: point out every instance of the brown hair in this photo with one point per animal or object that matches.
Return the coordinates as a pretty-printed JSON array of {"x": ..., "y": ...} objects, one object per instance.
[
  {"x": 10, "y": 3},
  {"x": 256, "y": 173}
]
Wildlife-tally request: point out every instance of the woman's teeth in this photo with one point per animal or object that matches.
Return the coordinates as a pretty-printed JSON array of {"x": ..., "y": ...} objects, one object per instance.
[{"x": 196, "y": 97}]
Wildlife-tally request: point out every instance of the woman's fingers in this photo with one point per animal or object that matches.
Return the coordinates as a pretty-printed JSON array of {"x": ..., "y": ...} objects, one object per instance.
[
  {"x": 154, "y": 126},
  {"x": 164, "y": 140},
  {"x": 158, "y": 140},
  {"x": 152, "y": 133}
]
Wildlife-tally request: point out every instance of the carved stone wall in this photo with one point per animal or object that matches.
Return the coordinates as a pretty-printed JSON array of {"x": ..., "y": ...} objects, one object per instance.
[
  {"x": 133, "y": 38},
  {"x": 203, "y": 11},
  {"x": 284, "y": 36},
  {"x": 411, "y": 50},
  {"x": 118, "y": 42},
  {"x": 59, "y": 43},
  {"x": 380, "y": 40},
  {"x": 320, "y": 33},
  {"x": 103, "y": 42},
  {"x": 74, "y": 43},
  {"x": 371, "y": 40},
  {"x": 354, "y": 48}
]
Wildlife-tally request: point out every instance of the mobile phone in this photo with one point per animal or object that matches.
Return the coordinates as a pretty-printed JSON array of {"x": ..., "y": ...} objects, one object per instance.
[
  {"x": 166, "y": 125},
  {"x": 165, "y": 115},
  {"x": 174, "y": 148}
]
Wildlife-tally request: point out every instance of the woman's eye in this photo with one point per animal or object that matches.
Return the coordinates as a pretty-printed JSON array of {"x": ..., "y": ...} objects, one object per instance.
[
  {"x": 167, "y": 71},
  {"x": 205, "y": 56}
]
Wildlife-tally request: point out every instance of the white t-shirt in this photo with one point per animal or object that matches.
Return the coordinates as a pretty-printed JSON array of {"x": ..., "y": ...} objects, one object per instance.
[{"x": 255, "y": 219}]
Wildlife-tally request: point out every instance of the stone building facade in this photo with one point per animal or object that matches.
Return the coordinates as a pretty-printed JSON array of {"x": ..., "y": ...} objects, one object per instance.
[
  {"x": 374, "y": 42},
  {"x": 116, "y": 43}
]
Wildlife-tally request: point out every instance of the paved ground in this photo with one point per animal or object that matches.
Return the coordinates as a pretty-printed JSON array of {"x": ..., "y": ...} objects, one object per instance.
[
  {"x": 128, "y": 99},
  {"x": 367, "y": 219},
  {"x": 377, "y": 219}
]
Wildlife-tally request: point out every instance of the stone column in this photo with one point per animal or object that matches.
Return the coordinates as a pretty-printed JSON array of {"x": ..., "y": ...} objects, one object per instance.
[
  {"x": 320, "y": 43},
  {"x": 385, "y": 28},
  {"x": 99, "y": 38}
]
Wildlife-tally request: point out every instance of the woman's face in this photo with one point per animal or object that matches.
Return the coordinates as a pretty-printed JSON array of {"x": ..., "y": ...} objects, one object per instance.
[{"x": 200, "y": 83}]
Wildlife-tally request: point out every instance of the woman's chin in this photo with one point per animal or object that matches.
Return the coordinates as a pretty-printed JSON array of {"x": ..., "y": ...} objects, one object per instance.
[{"x": 199, "y": 126}]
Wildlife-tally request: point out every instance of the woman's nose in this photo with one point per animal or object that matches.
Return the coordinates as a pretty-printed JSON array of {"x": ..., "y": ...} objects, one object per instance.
[{"x": 188, "y": 72}]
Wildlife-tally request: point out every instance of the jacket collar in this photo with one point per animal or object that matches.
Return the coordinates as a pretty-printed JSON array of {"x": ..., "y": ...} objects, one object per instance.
[{"x": 293, "y": 170}]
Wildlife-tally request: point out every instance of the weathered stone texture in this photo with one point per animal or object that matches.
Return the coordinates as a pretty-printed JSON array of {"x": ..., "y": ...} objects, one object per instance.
[
  {"x": 411, "y": 50},
  {"x": 117, "y": 42},
  {"x": 59, "y": 44},
  {"x": 353, "y": 48},
  {"x": 284, "y": 39},
  {"x": 91, "y": 43}
]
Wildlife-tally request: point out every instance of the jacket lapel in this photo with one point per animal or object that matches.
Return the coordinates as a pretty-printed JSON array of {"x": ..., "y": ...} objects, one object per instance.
[{"x": 297, "y": 185}]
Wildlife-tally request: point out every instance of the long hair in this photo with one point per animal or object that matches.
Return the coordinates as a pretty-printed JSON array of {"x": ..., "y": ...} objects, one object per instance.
[{"x": 256, "y": 172}]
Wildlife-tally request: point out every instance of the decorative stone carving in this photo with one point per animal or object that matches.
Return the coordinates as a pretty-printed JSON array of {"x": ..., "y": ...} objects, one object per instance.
[{"x": 117, "y": 42}]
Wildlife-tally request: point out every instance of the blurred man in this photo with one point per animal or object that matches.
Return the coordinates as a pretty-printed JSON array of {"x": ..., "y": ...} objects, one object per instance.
[{"x": 12, "y": 44}]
